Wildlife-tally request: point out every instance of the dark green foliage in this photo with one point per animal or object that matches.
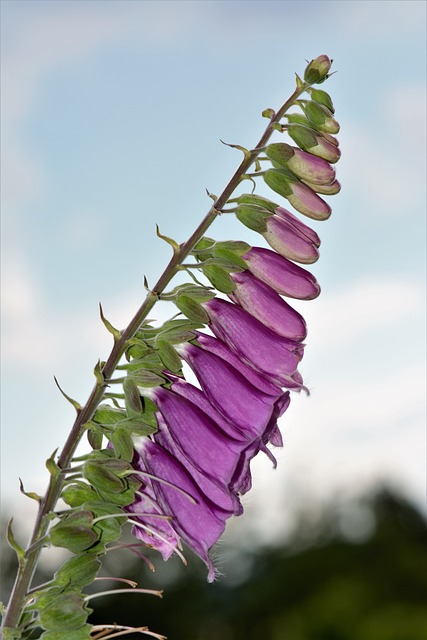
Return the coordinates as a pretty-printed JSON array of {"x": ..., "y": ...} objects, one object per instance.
[{"x": 333, "y": 589}]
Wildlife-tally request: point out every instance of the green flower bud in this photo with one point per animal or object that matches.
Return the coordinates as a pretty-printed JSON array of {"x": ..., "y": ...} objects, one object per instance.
[
  {"x": 324, "y": 98},
  {"x": 314, "y": 142},
  {"x": 74, "y": 532},
  {"x": 321, "y": 117},
  {"x": 219, "y": 277},
  {"x": 259, "y": 201},
  {"x": 63, "y": 612},
  {"x": 83, "y": 633},
  {"x": 78, "y": 571},
  {"x": 78, "y": 493},
  {"x": 278, "y": 181},
  {"x": 192, "y": 309},
  {"x": 105, "y": 474},
  {"x": 169, "y": 356},
  {"x": 253, "y": 217},
  {"x": 317, "y": 70}
]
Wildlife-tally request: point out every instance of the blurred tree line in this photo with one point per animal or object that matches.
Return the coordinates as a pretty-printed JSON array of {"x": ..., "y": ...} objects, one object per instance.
[{"x": 342, "y": 582}]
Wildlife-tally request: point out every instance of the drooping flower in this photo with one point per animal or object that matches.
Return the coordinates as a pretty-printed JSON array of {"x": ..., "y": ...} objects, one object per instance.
[
  {"x": 289, "y": 241},
  {"x": 319, "y": 144},
  {"x": 223, "y": 351},
  {"x": 236, "y": 399},
  {"x": 241, "y": 480},
  {"x": 197, "y": 520},
  {"x": 281, "y": 274},
  {"x": 274, "y": 356},
  {"x": 214, "y": 489},
  {"x": 198, "y": 436},
  {"x": 303, "y": 228},
  {"x": 306, "y": 166},
  {"x": 264, "y": 303},
  {"x": 307, "y": 202}
]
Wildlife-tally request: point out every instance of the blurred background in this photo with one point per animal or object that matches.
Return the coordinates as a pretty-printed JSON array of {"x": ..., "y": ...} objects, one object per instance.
[{"x": 112, "y": 114}]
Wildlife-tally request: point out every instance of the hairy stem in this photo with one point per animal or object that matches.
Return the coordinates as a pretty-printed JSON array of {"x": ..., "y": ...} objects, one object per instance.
[{"x": 25, "y": 574}]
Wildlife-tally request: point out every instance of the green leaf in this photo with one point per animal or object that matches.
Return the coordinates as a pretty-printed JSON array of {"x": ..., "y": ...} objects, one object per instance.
[
  {"x": 146, "y": 378},
  {"x": 78, "y": 493},
  {"x": 219, "y": 277},
  {"x": 278, "y": 181},
  {"x": 238, "y": 247},
  {"x": 192, "y": 309},
  {"x": 324, "y": 98},
  {"x": 132, "y": 395},
  {"x": 83, "y": 633},
  {"x": 229, "y": 259},
  {"x": 107, "y": 415},
  {"x": 204, "y": 243},
  {"x": 115, "y": 332},
  {"x": 94, "y": 437},
  {"x": 170, "y": 241},
  {"x": 12, "y": 543},
  {"x": 74, "y": 532},
  {"x": 259, "y": 201},
  {"x": 304, "y": 136},
  {"x": 280, "y": 152},
  {"x": 169, "y": 356},
  {"x": 122, "y": 442},
  {"x": 109, "y": 529},
  {"x": 106, "y": 475},
  {"x": 51, "y": 465},
  {"x": 65, "y": 612},
  {"x": 253, "y": 217},
  {"x": 200, "y": 294},
  {"x": 78, "y": 571},
  {"x": 29, "y": 494},
  {"x": 268, "y": 113},
  {"x": 77, "y": 406}
]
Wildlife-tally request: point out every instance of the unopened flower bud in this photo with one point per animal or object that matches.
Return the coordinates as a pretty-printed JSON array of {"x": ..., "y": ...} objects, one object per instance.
[
  {"x": 306, "y": 166},
  {"x": 317, "y": 70},
  {"x": 325, "y": 189},
  {"x": 304, "y": 199},
  {"x": 321, "y": 117},
  {"x": 314, "y": 142}
]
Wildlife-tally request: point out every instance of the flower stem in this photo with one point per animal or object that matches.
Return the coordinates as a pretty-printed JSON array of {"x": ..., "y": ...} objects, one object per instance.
[{"x": 26, "y": 571}]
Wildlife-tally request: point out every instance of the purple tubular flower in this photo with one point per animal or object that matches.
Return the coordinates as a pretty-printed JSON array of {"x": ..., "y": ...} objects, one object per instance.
[
  {"x": 281, "y": 274},
  {"x": 236, "y": 399},
  {"x": 198, "y": 436},
  {"x": 311, "y": 168},
  {"x": 325, "y": 189},
  {"x": 154, "y": 529},
  {"x": 304, "y": 229},
  {"x": 287, "y": 240},
  {"x": 220, "y": 349},
  {"x": 307, "y": 202},
  {"x": 216, "y": 491},
  {"x": 261, "y": 301},
  {"x": 274, "y": 356},
  {"x": 240, "y": 481},
  {"x": 198, "y": 521}
]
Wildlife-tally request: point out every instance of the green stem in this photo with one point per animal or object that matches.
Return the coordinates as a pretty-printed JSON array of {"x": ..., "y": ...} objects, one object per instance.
[{"x": 26, "y": 572}]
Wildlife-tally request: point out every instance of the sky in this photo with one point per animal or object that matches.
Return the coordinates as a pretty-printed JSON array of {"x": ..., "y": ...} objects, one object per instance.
[{"x": 112, "y": 116}]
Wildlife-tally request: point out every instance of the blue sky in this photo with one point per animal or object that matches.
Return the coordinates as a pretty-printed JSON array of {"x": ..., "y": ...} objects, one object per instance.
[{"x": 112, "y": 114}]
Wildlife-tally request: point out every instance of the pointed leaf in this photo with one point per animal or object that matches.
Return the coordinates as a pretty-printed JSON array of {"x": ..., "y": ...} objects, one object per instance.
[
  {"x": 170, "y": 241},
  {"x": 115, "y": 332},
  {"x": 169, "y": 356},
  {"x": 12, "y": 543},
  {"x": 29, "y": 494},
  {"x": 219, "y": 277},
  {"x": 192, "y": 309}
]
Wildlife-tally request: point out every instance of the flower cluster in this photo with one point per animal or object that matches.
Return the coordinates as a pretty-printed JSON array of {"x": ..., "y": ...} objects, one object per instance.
[{"x": 196, "y": 466}]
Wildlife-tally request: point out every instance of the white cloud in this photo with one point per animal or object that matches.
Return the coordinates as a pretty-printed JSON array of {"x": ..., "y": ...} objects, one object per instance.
[{"x": 364, "y": 306}]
